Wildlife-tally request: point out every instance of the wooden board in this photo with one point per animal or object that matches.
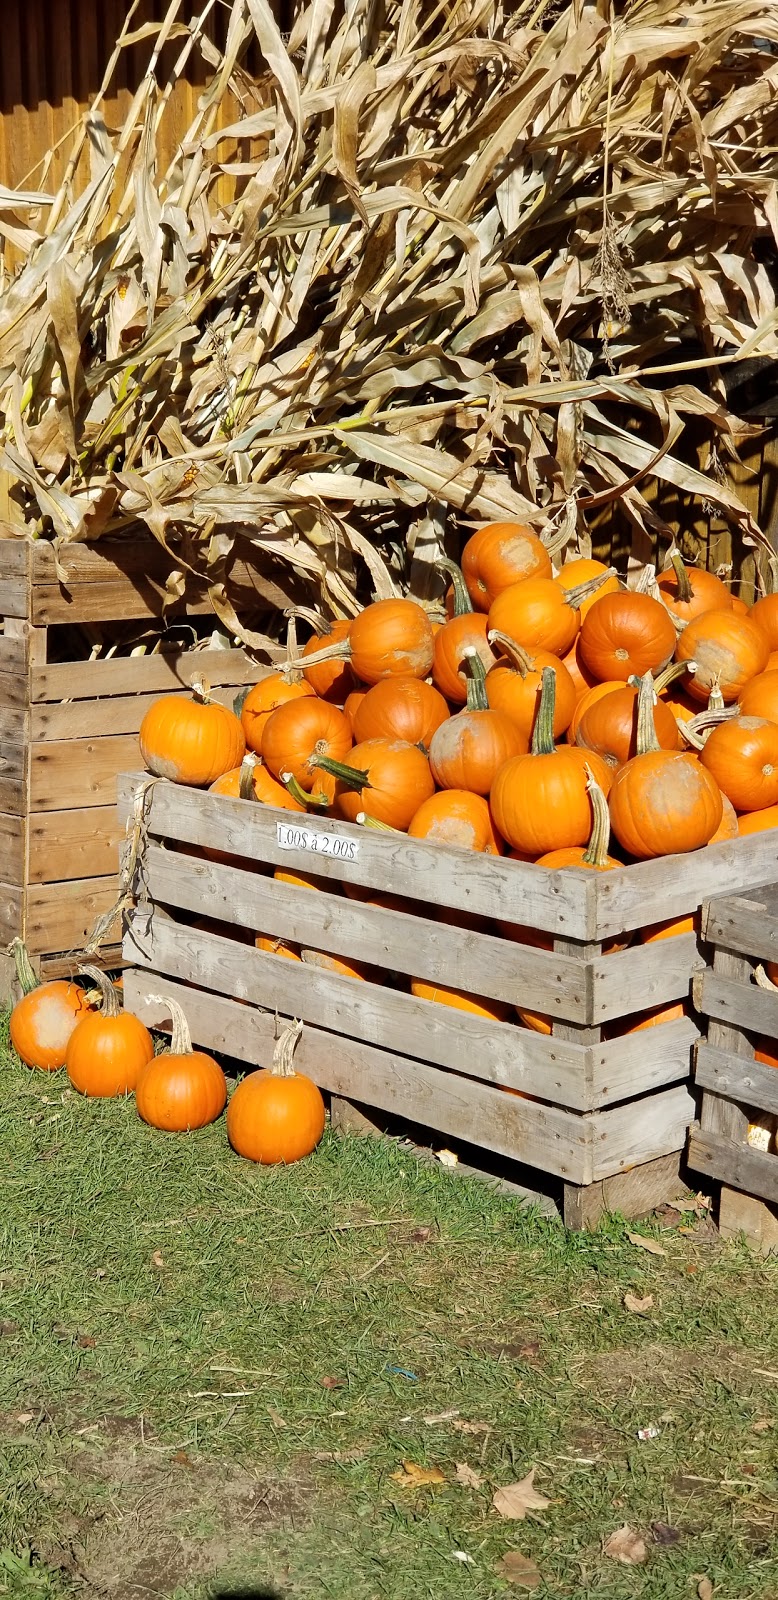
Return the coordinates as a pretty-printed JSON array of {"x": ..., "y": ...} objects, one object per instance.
[
  {"x": 61, "y": 916},
  {"x": 79, "y": 772},
  {"x": 752, "y": 1083},
  {"x": 754, "y": 1171},
  {"x": 93, "y": 719},
  {"x": 746, "y": 925},
  {"x": 12, "y": 848},
  {"x": 11, "y": 918},
  {"x": 743, "y": 1214},
  {"x": 739, "y": 1004},
  {"x": 633, "y": 1193},
  {"x": 81, "y": 843},
  {"x": 654, "y": 891}
]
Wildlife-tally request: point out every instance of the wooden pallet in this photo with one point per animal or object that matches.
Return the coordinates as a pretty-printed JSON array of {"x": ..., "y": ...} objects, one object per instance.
[
  {"x": 743, "y": 932},
  {"x": 67, "y": 728},
  {"x": 600, "y": 1109}
]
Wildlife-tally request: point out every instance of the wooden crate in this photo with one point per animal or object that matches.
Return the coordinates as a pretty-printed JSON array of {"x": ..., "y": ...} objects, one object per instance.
[
  {"x": 67, "y": 728},
  {"x": 599, "y": 1106},
  {"x": 737, "y": 1089}
]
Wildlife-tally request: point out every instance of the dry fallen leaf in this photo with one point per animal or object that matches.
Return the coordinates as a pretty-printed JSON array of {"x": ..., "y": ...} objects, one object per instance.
[
  {"x": 518, "y": 1569},
  {"x": 633, "y": 1302},
  {"x": 626, "y": 1546},
  {"x": 516, "y": 1499},
  {"x": 25, "y": 1417},
  {"x": 181, "y": 1459},
  {"x": 643, "y": 1243},
  {"x": 332, "y": 1383},
  {"x": 471, "y": 1427},
  {"x": 422, "y": 1235},
  {"x": 447, "y": 1158},
  {"x": 86, "y": 1341},
  {"x": 664, "y": 1534},
  {"x": 467, "y": 1476},
  {"x": 156, "y": 1260},
  {"x": 412, "y": 1476},
  {"x": 762, "y": 1425},
  {"x": 705, "y": 1589},
  {"x": 275, "y": 1417}
]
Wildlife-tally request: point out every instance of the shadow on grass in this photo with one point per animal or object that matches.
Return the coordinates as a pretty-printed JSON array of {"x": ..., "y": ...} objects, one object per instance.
[{"x": 245, "y": 1592}]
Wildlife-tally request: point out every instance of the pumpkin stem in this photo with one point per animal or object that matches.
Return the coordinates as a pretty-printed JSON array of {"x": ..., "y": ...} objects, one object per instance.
[
  {"x": 646, "y": 731},
  {"x": 476, "y": 680},
  {"x": 517, "y": 655},
  {"x": 763, "y": 981},
  {"x": 366, "y": 821},
  {"x": 543, "y": 731},
  {"x": 292, "y": 671},
  {"x": 596, "y": 853},
  {"x": 462, "y": 603},
  {"x": 246, "y": 780},
  {"x": 283, "y": 1055},
  {"x": 180, "y": 1038},
  {"x": 575, "y": 597},
  {"x": 290, "y": 783},
  {"x": 201, "y": 691},
  {"x": 339, "y": 651},
  {"x": 351, "y": 776},
  {"x": 701, "y": 726},
  {"x": 685, "y": 590},
  {"x": 716, "y": 698},
  {"x": 674, "y": 669},
  {"x": 108, "y": 994},
  {"x": 24, "y": 968}
]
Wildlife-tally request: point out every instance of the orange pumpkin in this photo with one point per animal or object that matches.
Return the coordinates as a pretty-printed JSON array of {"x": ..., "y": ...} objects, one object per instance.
[
  {"x": 336, "y": 964},
  {"x": 758, "y": 821},
  {"x": 609, "y": 726},
  {"x": 766, "y": 1052},
  {"x": 765, "y": 614},
  {"x": 582, "y": 678},
  {"x": 662, "y": 801},
  {"x": 182, "y": 1088},
  {"x": 400, "y": 708},
  {"x": 43, "y": 1020},
  {"x": 276, "y": 1116},
  {"x": 759, "y": 698},
  {"x": 108, "y": 1049},
  {"x": 652, "y": 1019},
  {"x": 587, "y": 699},
  {"x": 499, "y": 555},
  {"x": 728, "y": 826},
  {"x": 299, "y": 734},
  {"x": 670, "y": 930},
  {"x": 742, "y": 756},
  {"x": 739, "y": 606},
  {"x": 333, "y": 679},
  {"x": 465, "y": 630},
  {"x": 354, "y": 700},
  {"x": 514, "y": 684},
  {"x": 191, "y": 741},
  {"x": 391, "y": 639},
  {"x": 689, "y": 592},
  {"x": 729, "y": 650},
  {"x": 468, "y": 751},
  {"x": 477, "y": 1005},
  {"x": 625, "y": 635},
  {"x": 540, "y": 801},
  {"x": 265, "y": 698},
  {"x": 539, "y": 614},
  {"x": 458, "y": 818},
  {"x": 386, "y": 778},
  {"x": 273, "y": 946},
  {"x": 581, "y": 571},
  {"x": 252, "y": 781}
]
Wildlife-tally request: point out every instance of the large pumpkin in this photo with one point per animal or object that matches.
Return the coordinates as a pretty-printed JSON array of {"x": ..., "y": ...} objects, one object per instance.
[
  {"x": 540, "y": 801},
  {"x": 458, "y": 818},
  {"x": 460, "y": 1000},
  {"x": 513, "y": 685},
  {"x": 276, "y": 1116},
  {"x": 662, "y": 802},
  {"x": 742, "y": 756},
  {"x": 182, "y": 1088},
  {"x": 191, "y": 741},
  {"x": 468, "y": 751},
  {"x": 108, "y": 1050},
  {"x": 625, "y": 635},
  {"x": 499, "y": 555},
  {"x": 299, "y": 734},
  {"x": 43, "y": 1020},
  {"x": 689, "y": 592},
  {"x": 609, "y": 726},
  {"x": 400, "y": 708},
  {"x": 386, "y": 778},
  {"x": 729, "y": 650},
  {"x": 265, "y": 698}
]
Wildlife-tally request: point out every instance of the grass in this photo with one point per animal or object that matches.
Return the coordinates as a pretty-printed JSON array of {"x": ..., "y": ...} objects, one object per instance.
[{"x": 209, "y": 1374}]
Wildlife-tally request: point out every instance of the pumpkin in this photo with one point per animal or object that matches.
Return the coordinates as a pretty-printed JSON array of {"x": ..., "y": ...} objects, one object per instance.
[
  {"x": 298, "y": 734},
  {"x": 766, "y": 1052},
  {"x": 729, "y": 650},
  {"x": 739, "y": 606},
  {"x": 331, "y": 679},
  {"x": 501, "y": 554},
  {"x": 336, "y": 964},
  {"x": 265, "y": 698},
  {"x": 652, "y": 1019},
  {"x": 386, "y": 778},
  {"x": 466, "y": 629},
  {"x": 728, "y": 826},
  {"x": 662, "y": 802},
  {"x": 252, "y": 781},
  {"x": 689, "y": 592},
  {"x": 625, "y": 635},
  {"x": 540, "y": 615},
  {"x": 742, "y": 756},
  {"x": 670, "y": 930},
  {"x": 109, "y": 1048},
  {"x": 540, "y": 801},
  {"x": 582, "y": 678},
  {"x": 765, "y": 614},
  {"x": 306, "y": 880},
  {"x": 758, "y": 821},
  {"x": 513, "y": 686},
  {"x": 389, "y": 639},
  {"x": 43, "y": 1020},
  {"x": 276, "y": 1116},
  {"x": 353, "y": 701},
  {"x": 477, "y": 1005},
  {"x": 609, "y": 726},
  {"x": 582, "y": 570},
  {"x": 273, "y": 946},
  {"x": 468, "y": 751},
  {"x": 191, "y": 741},
  {"x": 458, "y": 818},
  {"x": 400, "y": 708},
  {"x": 182, "y": 1088},
  {"x": 759, "y": 698}
]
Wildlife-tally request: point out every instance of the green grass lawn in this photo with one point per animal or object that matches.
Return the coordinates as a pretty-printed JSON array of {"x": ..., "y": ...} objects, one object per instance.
[{"x": 211, "y": 1373}]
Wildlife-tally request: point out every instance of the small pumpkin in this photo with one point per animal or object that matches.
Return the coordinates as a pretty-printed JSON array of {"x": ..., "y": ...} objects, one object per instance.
[
  {"x": 273, "y": 946},
  {"x": 109, "y": 1048},
  {"x": 43, "y": 1020},
  {"x": 742, "y": 756},
  {"x": 468, "y": 751},
  {"x": 265, "y": 698},
  {"x": 662, "y": 802},
  {"x": 513, "y": 685},
  {"x": 657, "y": 931},
  {"x": 400, "y": 708},
  {"x": 458, "y": 818},
  {"x": 331, "y": 679},
  {"x": 765, "y": 614},
  {"x": 298, "y": 734},
  {"x": 625, "y": 635},
  {"x": 389, "y": 639},
  {"x": 729, "y": 650},
  {"x": 759, "y": 698},
  {"x": 337, "y": 964},
  {"x": 466, "y": 630},
  {"x": 540, "y": 614},
  {"x": 460, "y": 1000},
  {"x": 252, "y": 781},
  {"x": 757, "y": 821},
  {"x": 574, "y": 574},
  {"x": 386, "y": 778},
  {"x": 191, "y": 741},
  {"x": 183, "y": 1088},
  {"x": 540, "y": 801},
  {"x": 276, "y": 1116},
  {"x": 689, "y": 592},
  {"x": 498, "y": 555},
  {"x": 609, "y": 726}
]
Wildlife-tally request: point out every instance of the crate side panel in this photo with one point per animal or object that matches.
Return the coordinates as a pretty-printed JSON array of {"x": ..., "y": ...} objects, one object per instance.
[
  {"x": 79, "y": 772},
  {"x": 152, "y": 674},
  {"x": 11, "y": 912},
  {"x": 12, "y": 848},
  {"x": 753, "y": 1171},
  {"x": 639, "y": 1062},
  {"x": 740, "y": 1005},
  {"x": 74, "y": 844},
  {"x": 751, "y": 1083},
  {"x": 635, "y": 980},
  {"x": 747, "y": 925},
  {"x": 675, "y": 886},
  {"x": 626, "y": 1135},
  {"x": 61, "y": 916}
]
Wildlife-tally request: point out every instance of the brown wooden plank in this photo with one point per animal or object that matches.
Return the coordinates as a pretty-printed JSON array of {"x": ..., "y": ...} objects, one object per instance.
[
  {"x": 631, "y": 981},
  {"x": 79, "y": 772},
  {"x": 13, "y": 796},
  {"x": 753, "y": 1171},
  {"x": 752, "y": 1083},
  {"x": 632, "y": 1194},
  {"x": 81, "y": 843},
  {"x": 152, "y": 674},
  {"x": 14, "y": 655},
  {"x": 629, "y": 1134},
  {"x": 14, "y": 598},
  {"x": 743, "y": 924},
  {"x": 93, "y": 719},
  {"x": 12, "y": 758},
  {"x": 15, "y": 685},
  {"x": 717, "y": 1115},
  {"x": 537, "y": 1135},
  {"x": 16, "y": 555},
  {"x": 14, "y": 724},
  {"x": 632, "y": 1066},
  {"x": 651, "y": 891},
  {"x": 743, "y": 1214},
  {"x": 738, "y": 1003},
  {"x": 61, "y": 916},
  {"x": 11, "y": 912},
  {"x": 12, "y": 848},
  {"x": 560, "y": 902}
]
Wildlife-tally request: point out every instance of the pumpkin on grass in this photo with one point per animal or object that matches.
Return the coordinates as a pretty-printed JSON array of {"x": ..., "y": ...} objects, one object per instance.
[
  {"x": 183, "y": 1088},
  {"x": 108, "y": 1049},
  {"x": 298, "y": 735},
  {"x": 265, "y": 698},
  {"x": 742, "y": 756},
  {"x": 689, "y": 592},
  {"x": 400, "y": 708},
  {"x": 625, "y": 635},
  {"x": 43, "y": 1020},
  {"x": 662, "y": 802},
  {"x": 501, "y": 554},
  {"x": 191, "y": 741},
  {"x": 389, "y": 639},
  {"x": 513, "y": 685},
  {"x": 729, "y": 650},
  {"x": 458, "y": 818},
  {"x": 276, "y": 1116},
  {"x": 386, "y": 778},
  {"x": 540, "y": 614},
  {"x": 466, "y": 629},
  {"x": 468, "y": 751},
  {"x": 609, "y": 726},
  {"x": 541, "y": 801}
]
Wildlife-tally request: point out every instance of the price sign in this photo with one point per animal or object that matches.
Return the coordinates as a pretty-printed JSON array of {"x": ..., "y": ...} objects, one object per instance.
[{"x": 295, "y": 836}]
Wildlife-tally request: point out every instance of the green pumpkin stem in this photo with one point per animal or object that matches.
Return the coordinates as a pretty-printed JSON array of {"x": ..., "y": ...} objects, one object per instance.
[
  {"x": 646, "y": 732},
  {"x": 596, "y": 853},
  {"x": 543, "y": 731},
  {"x": 110, "y": 999},
  {"x": 246, "y": 780},
  {"x": 685, "y": 590},
  {"x": 517, "y": 655},
  {"x": 584, "y": 591},
  {"x": 24, "y": 968},
  {"x": 351, "y": 776},
  {"x": 476, "y": 680},
  {"x": 462, "y": 602},
  {"x": 318, "y": 801},
  {"x": 180, "y": 1037},
  {"x": 283, "y": 1055},
  {"x": 366, "y": 821}
]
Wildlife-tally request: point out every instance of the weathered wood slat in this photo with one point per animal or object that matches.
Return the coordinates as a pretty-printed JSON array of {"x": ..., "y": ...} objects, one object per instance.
[
  {"x": 653, "y": 891},
  {"x": 643, "y": 1061},
  {"x": 644, "y": 976},
  {"x": 152, "y": 674},
  {"x": 14, "y": 597},
  {"x": 743, "y": 1214},
  {"x": 14, "y": 654},
  {"x": 12, "y": 847},
  {"x": 14, "y": 685},
  {"x": 632, "y": 1193},
  {"x": 753, "y": 1171},
  {"x": 739, "y": 1004},
  {"x": 13, "y": 796},
  {"x": 97, "y": 719},
  {"x": 752, "y": 1083},
  {"x": 14, "y": 724},
  {"x": 61, "y": 916},
  {"x": 79, "y": 772},
  {"x": 744, "y": 925},
  {"x": 81, "y": 843},
  {"x": 11, "y": 918},
  {"x": 629, "y": 1134}
]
